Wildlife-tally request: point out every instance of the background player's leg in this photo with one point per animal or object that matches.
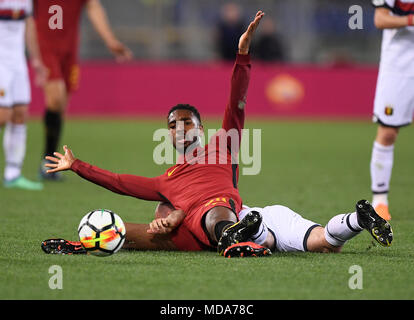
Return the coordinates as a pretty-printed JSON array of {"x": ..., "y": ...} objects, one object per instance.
[
  {"x": 5, "y": 97},
  {"x": 14, "y": 144},
  {"x": 56, "y": 99},
  {"x": 5, "y": 115},
  {"x": 382, "y": 159},
  {"x": 138, "y": 238}
]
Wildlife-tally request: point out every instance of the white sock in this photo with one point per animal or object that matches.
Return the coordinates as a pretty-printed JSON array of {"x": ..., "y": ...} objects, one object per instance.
[
  {"x": 382, "y": 159},
  {"x": 14, "y": 144},
  {"x": 342, "y": 228},
  {"x": 260, "y": 236},
  {"x": 379, "y": 198}
]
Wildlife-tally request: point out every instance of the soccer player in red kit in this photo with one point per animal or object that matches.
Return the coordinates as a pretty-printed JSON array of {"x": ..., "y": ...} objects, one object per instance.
[
  {"x": 206, "y": 192},
  {"x": 57, "y": 24}
]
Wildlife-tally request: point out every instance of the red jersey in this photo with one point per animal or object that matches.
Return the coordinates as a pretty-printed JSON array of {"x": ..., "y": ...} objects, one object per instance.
[
  {"x": 65, "y": 39},
  {"x": 191, "y": 186}
]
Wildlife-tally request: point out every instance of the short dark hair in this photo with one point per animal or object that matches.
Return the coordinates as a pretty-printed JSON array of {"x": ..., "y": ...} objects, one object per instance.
[{"x": 185, "y": 106}]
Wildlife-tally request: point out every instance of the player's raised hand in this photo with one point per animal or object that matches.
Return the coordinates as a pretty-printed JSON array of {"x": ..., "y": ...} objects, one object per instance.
[
  {"x": 246, "y": 37},
  {"x": 60, "y": 162}
]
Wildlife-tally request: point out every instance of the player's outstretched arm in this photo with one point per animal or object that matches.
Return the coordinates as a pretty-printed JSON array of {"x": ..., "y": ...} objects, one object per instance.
[
  {"x": 99, "y": 20},
  {"x": 130, "y": 185}
]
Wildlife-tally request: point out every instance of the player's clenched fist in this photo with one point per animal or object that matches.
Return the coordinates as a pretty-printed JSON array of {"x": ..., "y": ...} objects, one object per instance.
[
  {"x": 160, "y": 226},
  {"x": 168, "y": 224}
]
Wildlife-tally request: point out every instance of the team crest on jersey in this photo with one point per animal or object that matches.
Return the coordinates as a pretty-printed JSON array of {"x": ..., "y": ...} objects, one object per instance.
[
  {"x": 2, "y": 92},
  {"x": 389, "y": 110}
]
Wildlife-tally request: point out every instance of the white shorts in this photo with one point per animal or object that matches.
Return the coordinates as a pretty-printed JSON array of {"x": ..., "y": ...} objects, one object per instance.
[
  {"x": 291, "y": 230},
  {"x": 14, "y": 85},
  {"x": 394, "y": 99}
]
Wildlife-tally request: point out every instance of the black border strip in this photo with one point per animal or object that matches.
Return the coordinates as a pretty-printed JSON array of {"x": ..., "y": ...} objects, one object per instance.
[{"x": 349, "y": 224}]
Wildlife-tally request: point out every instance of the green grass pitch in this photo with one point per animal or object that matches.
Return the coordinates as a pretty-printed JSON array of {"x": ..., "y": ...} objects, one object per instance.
[{"x": 319, "y": 169}]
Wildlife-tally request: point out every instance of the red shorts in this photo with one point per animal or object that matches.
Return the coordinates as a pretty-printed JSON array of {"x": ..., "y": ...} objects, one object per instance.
[
  {"x": 194, "y": 235},
  {"x": 184, "y": 240},
  {"x": 62, "y": 65}
]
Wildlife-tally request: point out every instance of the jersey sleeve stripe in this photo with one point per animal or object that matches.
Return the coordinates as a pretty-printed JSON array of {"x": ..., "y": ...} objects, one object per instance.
[{"x": 6, "y": 14}]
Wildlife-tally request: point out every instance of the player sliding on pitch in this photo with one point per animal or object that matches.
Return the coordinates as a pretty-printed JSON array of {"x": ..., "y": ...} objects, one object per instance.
[
  {"x": 207, "y": 192},
  {"x": 200, "y": 223}
]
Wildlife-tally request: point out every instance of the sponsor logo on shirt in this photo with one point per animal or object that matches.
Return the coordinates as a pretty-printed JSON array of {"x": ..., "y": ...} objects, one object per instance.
[{"x": 171, "y": 172}]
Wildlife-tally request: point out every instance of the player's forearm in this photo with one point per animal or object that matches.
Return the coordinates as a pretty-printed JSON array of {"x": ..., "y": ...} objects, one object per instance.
[
  {"x": 384, "y": 20},
  {"x": 175, "y": 218},
  {"x": 130, "y": 185},
  {"x": 31, "y": 41},
  {"x": 234, "y": 114},
  {"x": 99, "y": 20}
]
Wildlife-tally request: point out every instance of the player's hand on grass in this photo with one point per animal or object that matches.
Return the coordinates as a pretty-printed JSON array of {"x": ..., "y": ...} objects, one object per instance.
[
  {"x": 246, "y": 38},
  {"x": 60, "y": 162},
  {"x": 168, "y": 224}
]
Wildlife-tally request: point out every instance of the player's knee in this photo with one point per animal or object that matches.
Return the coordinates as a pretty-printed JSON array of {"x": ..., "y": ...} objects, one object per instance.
[
  {"x": 317, "y": 242},
  {"x": 214, "y": 217},
  {"x": 19, "y": 114},
  {"x": 55, "y": 103},
  {"x": 3, "y": 122},
  {"x": 387, "y": 135},
  {"x": 55, "y": 96},
  {"x": 5, "y": 115}
]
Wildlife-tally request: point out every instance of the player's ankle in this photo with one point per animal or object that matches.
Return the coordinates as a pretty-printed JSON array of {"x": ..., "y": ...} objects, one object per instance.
[{"x": 378, "y": 198}]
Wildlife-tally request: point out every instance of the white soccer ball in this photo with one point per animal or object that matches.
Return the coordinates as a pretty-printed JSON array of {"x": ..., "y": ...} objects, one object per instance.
[{"x": 101, "y": 232}]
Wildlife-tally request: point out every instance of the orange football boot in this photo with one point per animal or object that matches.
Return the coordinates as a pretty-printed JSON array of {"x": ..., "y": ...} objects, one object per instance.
[{"x": 383, "y": 212}]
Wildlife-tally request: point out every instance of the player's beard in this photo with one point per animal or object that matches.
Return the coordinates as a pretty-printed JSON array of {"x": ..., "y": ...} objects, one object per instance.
[
  {"x": 186, "y": 146},
  {"x": 189, "y": 143}
]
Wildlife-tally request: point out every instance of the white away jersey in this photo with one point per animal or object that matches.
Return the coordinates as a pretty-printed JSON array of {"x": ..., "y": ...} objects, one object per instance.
[
  {"x": 12, "y": 29},
  {"x": 397, "y": 49}
]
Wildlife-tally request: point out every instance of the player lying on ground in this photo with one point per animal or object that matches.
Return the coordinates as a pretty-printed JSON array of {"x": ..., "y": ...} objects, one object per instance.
[
  {"x": 279, "y": 230},
  {"x": 205, "y": 190},
  {"x": 283, "y": 230}
]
